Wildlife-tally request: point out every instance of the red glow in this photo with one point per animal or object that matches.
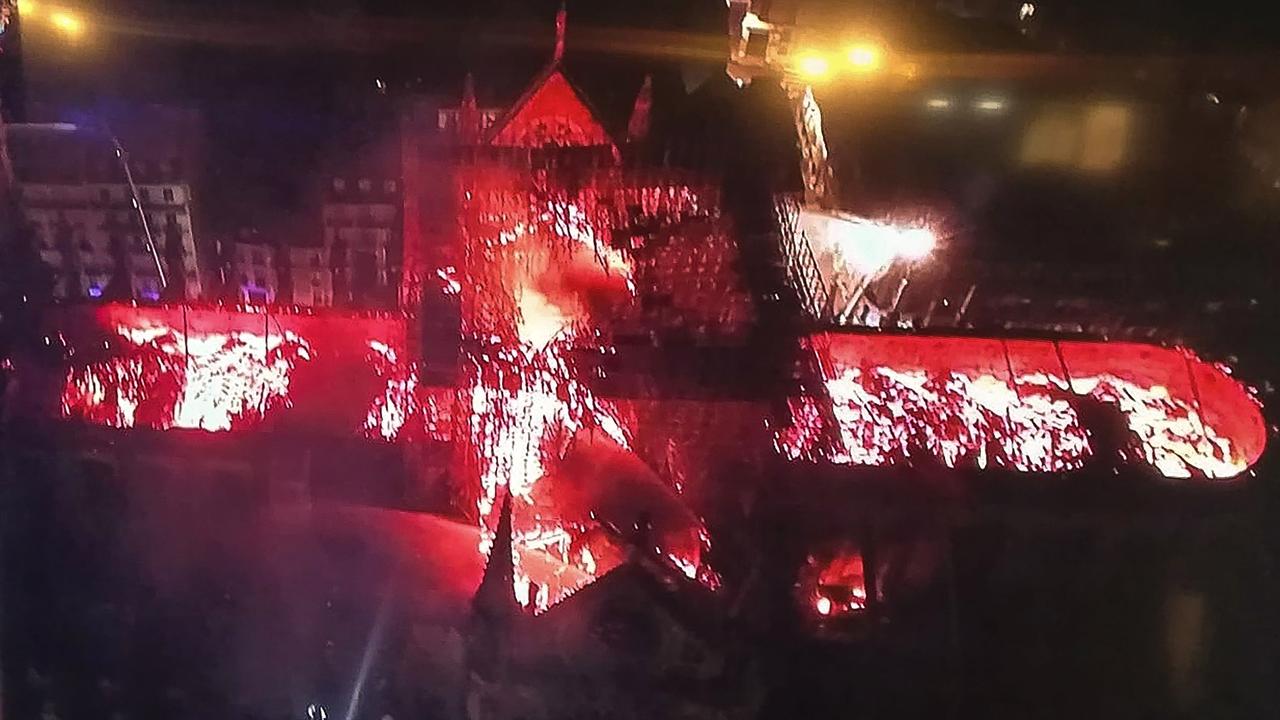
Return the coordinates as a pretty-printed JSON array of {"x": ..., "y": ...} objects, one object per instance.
[
  {"x": 550, "y": 113},
  {"x": 834, "y": 584},
  {"x": 543, "y": 281},
  {"x": 952, "y": 398},
  {"x": 207, "y": 381},
  {"x": 428, "y": 411}
]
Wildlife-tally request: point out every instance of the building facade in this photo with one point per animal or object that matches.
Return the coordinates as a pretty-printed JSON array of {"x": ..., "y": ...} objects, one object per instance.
[
  {"x": 106, "y": 230},
  {"x": 311, "y": 275},
  {"x": 91, "y": 237},
  {"x": 251, "y": 271},
  {"x": 362, "y": 237}
]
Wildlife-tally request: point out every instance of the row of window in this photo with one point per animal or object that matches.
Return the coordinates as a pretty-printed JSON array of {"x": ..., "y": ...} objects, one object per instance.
[
  {"x": 450, "y": 118},
  {"x": 124, "y": 218},
  {"x": 105, "y": 194},
  {"x": 136, "y": 244},
  {"x": 144, "y": 193},
  {"x": 364, "y": 185},
  {"x": 368, "y": 236}
]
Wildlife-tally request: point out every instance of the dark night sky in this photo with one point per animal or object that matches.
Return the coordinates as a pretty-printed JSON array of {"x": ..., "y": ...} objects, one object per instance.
[{"x": 278, "y": 80}]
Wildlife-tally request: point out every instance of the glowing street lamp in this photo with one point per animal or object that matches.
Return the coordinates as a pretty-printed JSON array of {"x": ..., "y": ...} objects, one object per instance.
[
  {"x": 67, "y": 23},
  {"x": 813, "y": 67},
  {"x": 865, "y": 57}
]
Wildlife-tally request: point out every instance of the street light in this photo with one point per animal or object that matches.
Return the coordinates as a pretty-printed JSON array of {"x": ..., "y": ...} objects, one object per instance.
[
  {"x": 865, "y": 57},
  {"x": 67, "y": 23},
  {"x": 813, "y": 67}
]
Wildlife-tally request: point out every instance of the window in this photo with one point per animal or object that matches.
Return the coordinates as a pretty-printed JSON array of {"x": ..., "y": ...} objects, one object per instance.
[
  {"x": 172, "y": 218},
  {"x": 365, "y": 184},
  {"x": 757, "y": 44},
  {"x": 389, "y": 186},
  {"x": 168, "y": 196},
  {"x": 339, "y": 184}
]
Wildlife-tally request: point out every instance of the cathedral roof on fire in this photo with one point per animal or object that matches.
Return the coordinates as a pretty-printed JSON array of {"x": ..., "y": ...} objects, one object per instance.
[
  {"x": 551, "y": 111},
  {"x": 572, "y": 100}
]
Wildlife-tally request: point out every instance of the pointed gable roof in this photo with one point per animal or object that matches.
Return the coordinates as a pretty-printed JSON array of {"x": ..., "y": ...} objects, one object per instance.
[
  {"x": 496, "y": 595},
  {"x": 686, "y": 601},
  {"x": 551, "y": 111}
]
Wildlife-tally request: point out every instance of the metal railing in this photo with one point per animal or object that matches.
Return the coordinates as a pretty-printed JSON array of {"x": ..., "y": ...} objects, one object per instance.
[{"x": 800, "y": 265}]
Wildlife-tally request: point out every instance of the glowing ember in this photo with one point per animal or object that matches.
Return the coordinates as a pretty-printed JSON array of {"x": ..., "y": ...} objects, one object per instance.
[
  {"x": 525, "y": 401},
  {"x": 834, "y": 584},
  {"x": 404, "y": 400},
  {"x": 526, "y": 406},
  {"x": 886, "y": 415},
  {"x": 208, "y": 381},
  {"x": 542, "y": 283}
]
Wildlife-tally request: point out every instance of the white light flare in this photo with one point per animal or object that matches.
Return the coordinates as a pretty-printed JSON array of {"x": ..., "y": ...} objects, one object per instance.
[
  {"x": 869, "y": 248},
  {"x": 990, "y": 105},
  {"x": 938, "y": 104}
]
